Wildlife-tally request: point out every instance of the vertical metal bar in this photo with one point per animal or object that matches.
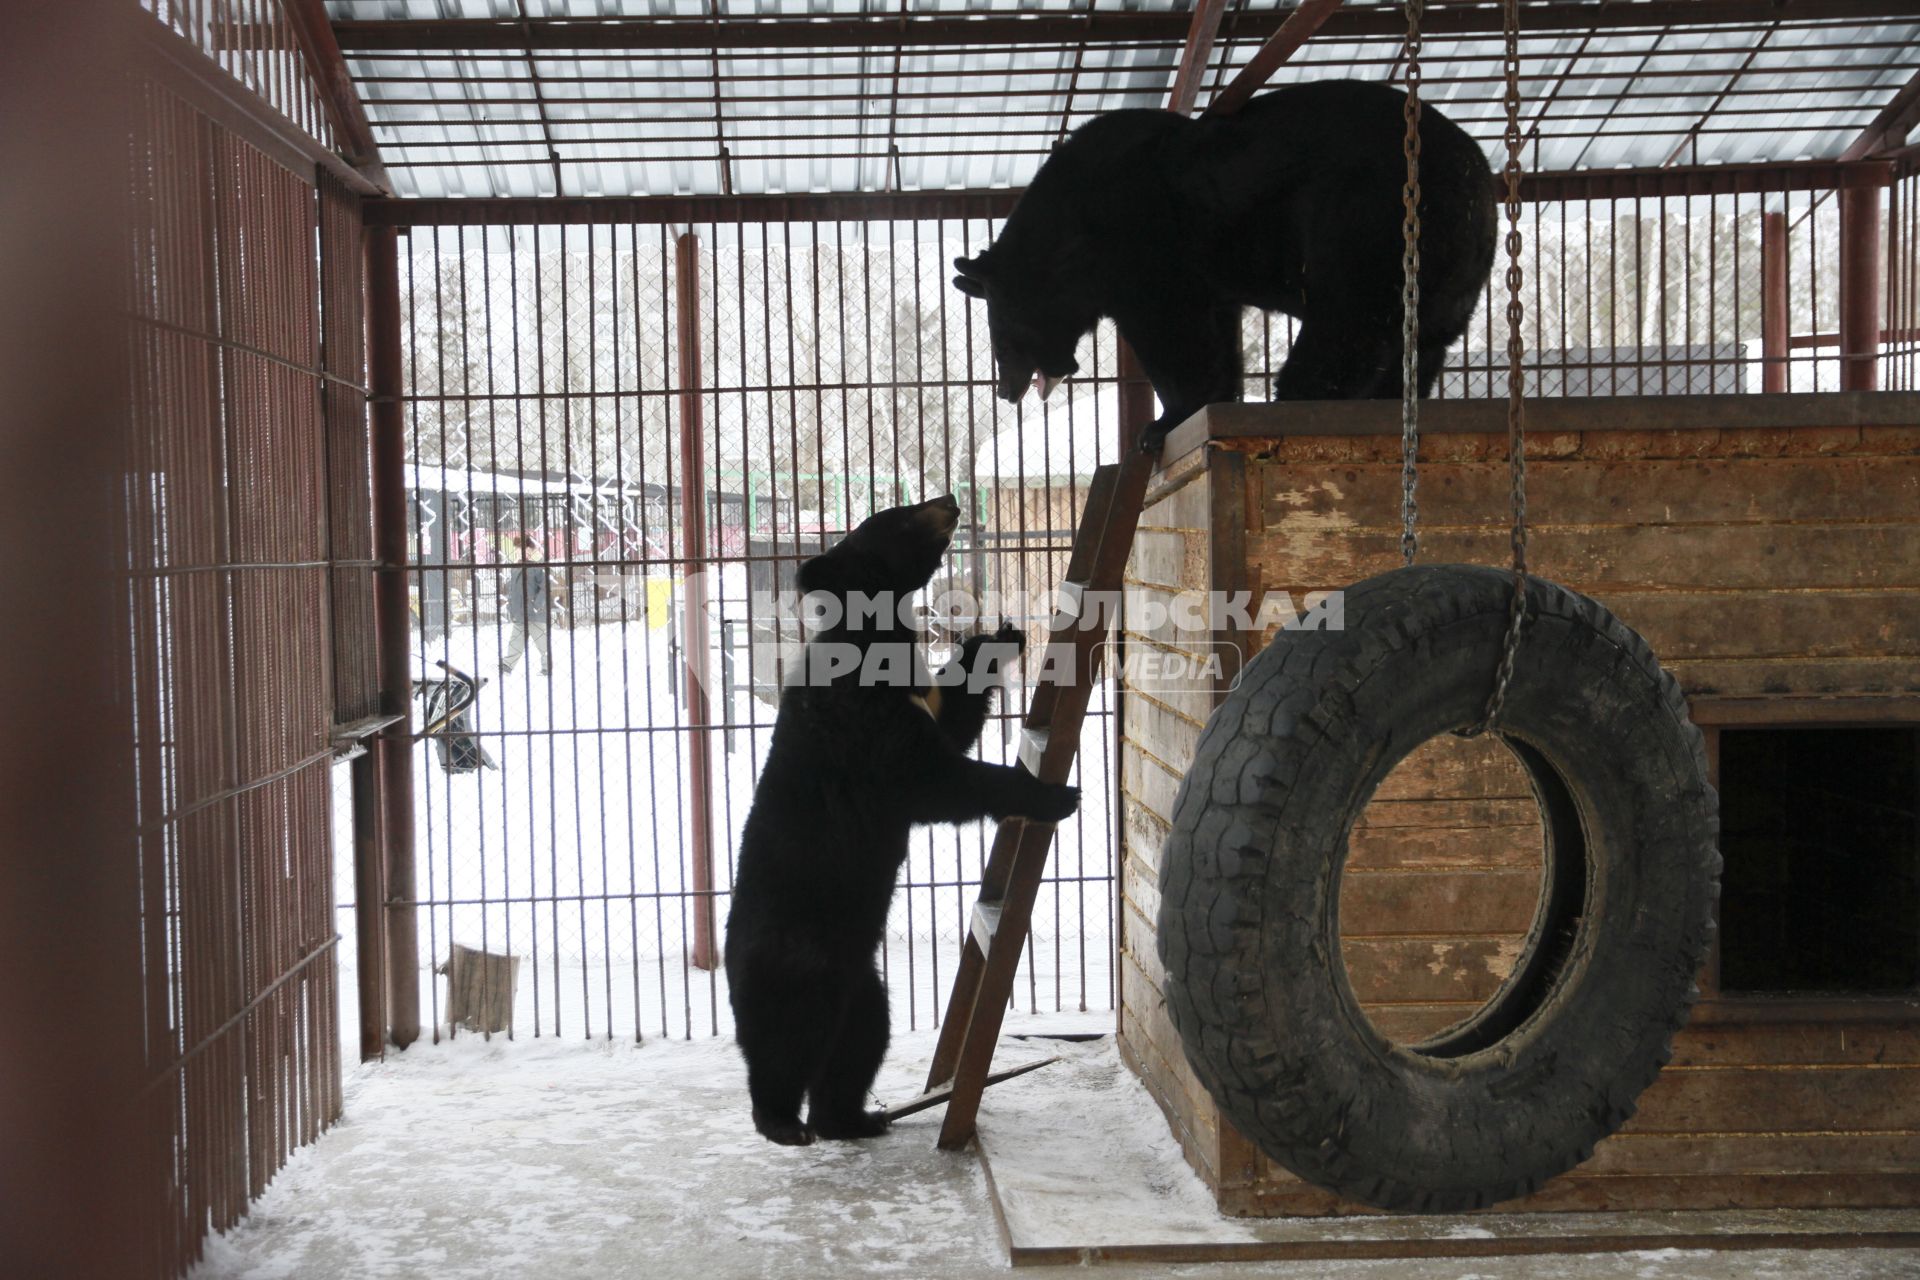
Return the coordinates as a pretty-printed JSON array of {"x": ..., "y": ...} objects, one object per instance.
[
  {"x": 693, "y": 550},
  {"x": 624, "y": 549},
  {"x": 1773, "y": 301},
  {"x": 228, "y": 946},
  {"x": 1902, "y": 257},
  {"x": 1814, "y": 327},
  {"x": 436, "y": 582},
  {"x": 392, "y": 622},
  {"x": 1713, "y": 292},
  {"x": 1738, "y": 332},
  {"x": 1899, "y": 259},
  {"x": 1860, "y": 288},
  {"x": 647, "y": 535}
]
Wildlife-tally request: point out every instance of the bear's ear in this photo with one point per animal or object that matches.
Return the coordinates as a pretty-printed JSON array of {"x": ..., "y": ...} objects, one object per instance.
[{"x": 979, "y": 267}]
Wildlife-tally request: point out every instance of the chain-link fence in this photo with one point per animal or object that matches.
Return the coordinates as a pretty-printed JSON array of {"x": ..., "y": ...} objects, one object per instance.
[
  {"x": 551, "y": 466},
  {"x": 614, "y": 429}
]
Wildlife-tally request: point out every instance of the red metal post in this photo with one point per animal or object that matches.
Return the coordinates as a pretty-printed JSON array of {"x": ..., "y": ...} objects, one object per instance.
[
  {"x": 1773, "y": 302},
  {"x": 1860, "y": 289},
  {"x": 393, "y": 624},
  {"x": 693, "y": 552},
  {"x": 369, "y": 894}
]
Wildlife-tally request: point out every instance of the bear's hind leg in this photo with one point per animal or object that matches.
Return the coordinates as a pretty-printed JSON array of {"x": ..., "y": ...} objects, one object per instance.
[
  {"x": 1433, "y": 359},
  {"x": 781, "y": 1034},
  {"x": 776, "y": 1088},
  {"x": 1341, "y": 361},
  {"x": 838, "y": 1094}
]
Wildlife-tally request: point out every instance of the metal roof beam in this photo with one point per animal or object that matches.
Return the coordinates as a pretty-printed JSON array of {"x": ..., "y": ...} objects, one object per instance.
[
  {"x": 1891, "y": 127},
  {"x": 1585, "y": 184},
  {"x": 1167, "y": 27},
  {"x": 352, "y": 132},
  {"x": 1193, "y": 58},
  {"x": 1302, "y": 21}
]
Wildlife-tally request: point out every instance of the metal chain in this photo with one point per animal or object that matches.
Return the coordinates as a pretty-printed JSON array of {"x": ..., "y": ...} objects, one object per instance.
[
  {"x": 1410, "y": 302},
  {"x": 1516, "y": 386}
]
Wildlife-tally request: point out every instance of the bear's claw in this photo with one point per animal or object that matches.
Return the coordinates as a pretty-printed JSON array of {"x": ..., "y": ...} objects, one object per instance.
[
  {"x": 1056, "y": 802},
  {"x": 866, "y": 1124},
  {"x": 788, "y": 1133}
]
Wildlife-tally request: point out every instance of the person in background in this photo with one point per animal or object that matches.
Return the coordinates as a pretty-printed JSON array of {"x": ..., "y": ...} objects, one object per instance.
[{"x": 529, "y": 596}]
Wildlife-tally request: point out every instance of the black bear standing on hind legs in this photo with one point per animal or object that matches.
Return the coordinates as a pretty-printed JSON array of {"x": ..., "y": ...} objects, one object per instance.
[
  {"x": 864, "y": 747},
  {"x": 1172, "y": 225}
]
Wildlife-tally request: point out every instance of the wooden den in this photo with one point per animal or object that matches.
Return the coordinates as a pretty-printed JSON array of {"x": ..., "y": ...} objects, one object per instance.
[{"x": 1768, "y": 548}]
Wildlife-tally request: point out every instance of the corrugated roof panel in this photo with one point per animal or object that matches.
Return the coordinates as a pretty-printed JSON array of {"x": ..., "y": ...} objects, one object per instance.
[{"x": 653, "y": 122}]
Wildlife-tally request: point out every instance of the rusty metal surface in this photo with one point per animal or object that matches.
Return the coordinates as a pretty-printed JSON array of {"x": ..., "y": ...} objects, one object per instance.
[
  {"x": 232, "y": 557},
  {"x": 1302, "y": 21},
  {"x": 693, "y": 545},
  {"x": 1861, "y": 276},
  {"x": 253, "y": 42},
  {"x": 346, "y": 117},
  {"x": 393, "y": 534}
]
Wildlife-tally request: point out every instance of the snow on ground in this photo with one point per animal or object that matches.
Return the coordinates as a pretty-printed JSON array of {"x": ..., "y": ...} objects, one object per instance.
[
  {"x": 1044, "y": 1153},
  {"x": 497, "y": 1161}
]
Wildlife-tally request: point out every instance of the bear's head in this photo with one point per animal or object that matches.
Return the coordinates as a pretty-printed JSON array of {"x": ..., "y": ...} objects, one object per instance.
[
  {"x": 894, "y": 552},
  {"x": 1034, "y": 327}
]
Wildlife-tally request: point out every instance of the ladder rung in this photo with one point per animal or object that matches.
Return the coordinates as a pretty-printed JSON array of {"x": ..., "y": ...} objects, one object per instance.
[
  {"x": 940, "y": 1093},
  {"x": 1066, "y": 610},
  {"x": 986, "y": 923},
  {"x": 1033, "y": 745}
]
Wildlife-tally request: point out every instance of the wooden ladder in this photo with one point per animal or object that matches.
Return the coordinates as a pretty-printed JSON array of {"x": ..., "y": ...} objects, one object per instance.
[{"x": 1049, "y": 742}]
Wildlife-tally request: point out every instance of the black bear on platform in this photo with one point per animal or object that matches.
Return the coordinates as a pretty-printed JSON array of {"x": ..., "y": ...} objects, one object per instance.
[
  {"x": 865, "y": 745},
  {"x": 1172, "y": 225}
]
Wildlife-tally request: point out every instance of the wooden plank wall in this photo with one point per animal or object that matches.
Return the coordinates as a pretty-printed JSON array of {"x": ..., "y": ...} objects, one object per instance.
[
  {"x": 1780, "y": 563},
  {"x": 1443, "y": 874},
  {"x": 1757, "y": 563},
  {"x": 1170, "y": 555}
]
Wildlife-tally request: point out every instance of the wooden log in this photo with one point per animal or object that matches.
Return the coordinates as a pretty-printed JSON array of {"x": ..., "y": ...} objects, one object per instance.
[
  {"x": 1431, "y": 968},
  {"x": 1464, "y": 902},
  {"x": 1712, "y": 491},
  {"x": 1597, "y": 558},
  {"x": 480, "y": 989}
]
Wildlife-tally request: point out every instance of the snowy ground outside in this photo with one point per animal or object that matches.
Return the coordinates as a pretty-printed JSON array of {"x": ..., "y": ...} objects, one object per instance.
[
  {"x": 572, "y": 852},
  {"x": 478, "y": 1161}
]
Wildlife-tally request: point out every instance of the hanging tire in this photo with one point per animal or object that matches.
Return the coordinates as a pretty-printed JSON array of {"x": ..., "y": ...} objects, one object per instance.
[{"x": 1249, "y": 933}]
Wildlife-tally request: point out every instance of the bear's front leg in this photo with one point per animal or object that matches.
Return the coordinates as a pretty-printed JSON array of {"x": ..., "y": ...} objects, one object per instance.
[
  {"x": 967, "y": 683},
  {"x": 1190, "y": 351},
  {"x": 968, "y": 790}
]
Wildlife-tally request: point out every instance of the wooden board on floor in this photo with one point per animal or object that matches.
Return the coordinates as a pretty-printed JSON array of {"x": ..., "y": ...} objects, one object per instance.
[{"x": 1031, "y": 1241}]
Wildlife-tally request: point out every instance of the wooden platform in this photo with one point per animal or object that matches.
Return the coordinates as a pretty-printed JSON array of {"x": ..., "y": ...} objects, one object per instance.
[{"x": 1099, "y": 1179}]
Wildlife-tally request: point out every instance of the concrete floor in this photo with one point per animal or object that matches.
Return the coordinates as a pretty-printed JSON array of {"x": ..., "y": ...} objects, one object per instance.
[{"x": 563, "y": 1159}]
